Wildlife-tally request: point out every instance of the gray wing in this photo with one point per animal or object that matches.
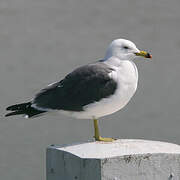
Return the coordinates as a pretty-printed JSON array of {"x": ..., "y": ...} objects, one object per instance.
[{"x": 83, "y": 86}]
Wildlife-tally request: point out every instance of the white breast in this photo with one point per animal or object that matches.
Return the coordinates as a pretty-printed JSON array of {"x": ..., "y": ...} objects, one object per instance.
[{"x": 126, "y": 76}]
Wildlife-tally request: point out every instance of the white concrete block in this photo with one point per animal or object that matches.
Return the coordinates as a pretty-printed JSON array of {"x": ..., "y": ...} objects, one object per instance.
[{"x": 119, "y": 160}]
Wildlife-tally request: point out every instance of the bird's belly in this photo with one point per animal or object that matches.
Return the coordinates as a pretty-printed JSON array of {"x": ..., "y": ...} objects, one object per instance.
[{"x": 111, "y": 104}]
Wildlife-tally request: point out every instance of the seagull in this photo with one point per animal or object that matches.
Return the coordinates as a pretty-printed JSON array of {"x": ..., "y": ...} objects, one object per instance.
[{"x": 90, "y": 91}]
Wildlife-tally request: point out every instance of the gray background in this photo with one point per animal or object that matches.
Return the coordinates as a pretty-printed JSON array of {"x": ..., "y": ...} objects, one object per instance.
[{"x": 42, "y": 40}]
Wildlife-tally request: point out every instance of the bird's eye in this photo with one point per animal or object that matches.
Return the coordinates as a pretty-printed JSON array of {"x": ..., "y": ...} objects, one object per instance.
[{"x": 125, "y": 47}]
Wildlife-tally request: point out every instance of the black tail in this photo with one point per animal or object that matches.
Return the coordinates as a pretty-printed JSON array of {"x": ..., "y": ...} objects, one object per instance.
[{"x": 24, "y": 108}]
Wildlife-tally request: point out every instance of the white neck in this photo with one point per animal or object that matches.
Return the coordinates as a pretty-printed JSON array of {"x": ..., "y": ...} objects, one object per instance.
[
  {"x": 111, "y": 57},
  {"x": 113, "y": 61},
  {"x": 110, "y": 52}
]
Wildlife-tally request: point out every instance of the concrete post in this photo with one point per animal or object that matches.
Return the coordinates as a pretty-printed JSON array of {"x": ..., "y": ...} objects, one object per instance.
[{"x": 120, "y": 160}]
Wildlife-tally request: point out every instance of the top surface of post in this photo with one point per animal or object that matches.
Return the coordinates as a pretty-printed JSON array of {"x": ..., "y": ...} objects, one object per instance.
[{"x": 119, "y": 147}]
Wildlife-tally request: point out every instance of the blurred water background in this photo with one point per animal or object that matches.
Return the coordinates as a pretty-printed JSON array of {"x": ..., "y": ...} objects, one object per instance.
[{"x": 42, "y": 40}]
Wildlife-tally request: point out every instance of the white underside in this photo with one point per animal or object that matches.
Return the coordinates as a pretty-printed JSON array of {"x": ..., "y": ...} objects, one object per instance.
[{"x": 126, "y": 75}]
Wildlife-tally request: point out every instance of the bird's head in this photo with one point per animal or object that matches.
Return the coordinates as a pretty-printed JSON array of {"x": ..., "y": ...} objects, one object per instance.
[{"x": 124, "y": 50}]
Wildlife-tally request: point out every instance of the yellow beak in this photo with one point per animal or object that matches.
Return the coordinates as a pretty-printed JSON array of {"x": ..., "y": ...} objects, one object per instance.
[{"x": 144, "y": 54}]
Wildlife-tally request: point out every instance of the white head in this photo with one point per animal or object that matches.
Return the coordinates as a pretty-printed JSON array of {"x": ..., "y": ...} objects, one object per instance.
[{"x": 124, "y": 50}]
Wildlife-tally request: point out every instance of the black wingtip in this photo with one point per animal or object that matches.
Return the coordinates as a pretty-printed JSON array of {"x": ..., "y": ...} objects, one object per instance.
[
  {"x": 12, "y": 108},
  {"x": 8, "y": 108},
  {"x": 17, "y": 107},
  {"x": 6, "y": 115},
  {"x": 13, "y": 113},
  {"x": 24, "y": 109}
]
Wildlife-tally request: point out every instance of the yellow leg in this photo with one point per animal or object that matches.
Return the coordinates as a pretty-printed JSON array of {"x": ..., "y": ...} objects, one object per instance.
[{"x": 96, "y": 133}]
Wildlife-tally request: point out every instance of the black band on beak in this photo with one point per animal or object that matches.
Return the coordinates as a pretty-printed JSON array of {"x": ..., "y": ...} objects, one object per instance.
[{"x": 148, "y": 55}]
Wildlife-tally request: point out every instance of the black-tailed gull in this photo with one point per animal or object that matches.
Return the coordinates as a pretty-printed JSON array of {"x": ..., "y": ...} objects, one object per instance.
[{"x": 91, "y": 91}]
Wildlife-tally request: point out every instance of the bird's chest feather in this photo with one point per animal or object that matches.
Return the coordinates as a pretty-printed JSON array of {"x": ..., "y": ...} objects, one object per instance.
[{"x": 126, "y": 76}]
